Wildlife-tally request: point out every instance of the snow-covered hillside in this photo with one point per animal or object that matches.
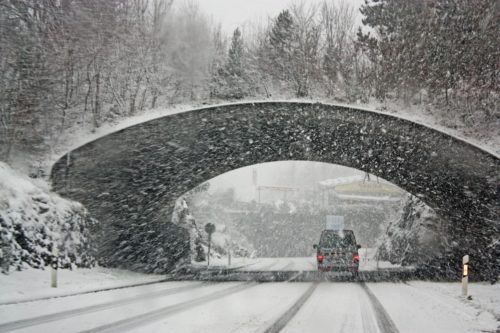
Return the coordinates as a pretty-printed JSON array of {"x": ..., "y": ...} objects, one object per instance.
[
  {"x": 32, "y": 220},
  {"x": 415, "y": 236},
  {"x": 35, "y": 284}
]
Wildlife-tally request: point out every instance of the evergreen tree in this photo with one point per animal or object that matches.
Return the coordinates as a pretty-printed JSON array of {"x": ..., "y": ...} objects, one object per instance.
[
  {"x": 445, "y": 47},
  {"x": 236, "y": 77},
  {"x": 397, "y": 51},
  {"x": 281, "y": 40},
  {"x": 232, "y": 81},
  {"x": 235, "y": 60}
]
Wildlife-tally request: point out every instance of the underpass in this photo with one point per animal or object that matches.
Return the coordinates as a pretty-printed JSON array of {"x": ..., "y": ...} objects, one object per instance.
[{"x": 116, "y": 176}]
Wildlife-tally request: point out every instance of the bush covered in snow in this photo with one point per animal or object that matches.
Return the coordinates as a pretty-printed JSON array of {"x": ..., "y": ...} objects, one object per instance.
[
  {"x": 419, "y": 237},
  {"x": 414, "y": 237},
  {"x": 32, "y": 219},
  {"x": 221, "y": 239}
]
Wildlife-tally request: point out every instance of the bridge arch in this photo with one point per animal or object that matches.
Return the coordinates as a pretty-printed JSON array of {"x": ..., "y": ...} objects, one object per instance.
[{"x": 127, "y": 177}]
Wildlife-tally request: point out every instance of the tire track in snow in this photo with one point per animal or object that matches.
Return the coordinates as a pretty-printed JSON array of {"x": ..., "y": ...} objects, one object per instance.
[
  {"x": 279, "y": 324},
  {"x": 14, "y": 325},
  {"x": 146, "y": 318},
  {"x": 367, "y": 313},
  {"x": 384, "y": 321}
]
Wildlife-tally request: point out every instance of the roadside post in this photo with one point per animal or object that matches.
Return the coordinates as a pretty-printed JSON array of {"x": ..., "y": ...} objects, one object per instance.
[
  {"x": 465, "y": 275},
  {"x": 228, "y": 247},
  {"x": 54, "y": 266},
  {"x": 209, "y": 229}
]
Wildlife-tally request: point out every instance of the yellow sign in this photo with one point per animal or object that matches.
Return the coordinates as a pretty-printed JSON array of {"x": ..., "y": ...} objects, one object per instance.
[{"x": 466, "y": 269}]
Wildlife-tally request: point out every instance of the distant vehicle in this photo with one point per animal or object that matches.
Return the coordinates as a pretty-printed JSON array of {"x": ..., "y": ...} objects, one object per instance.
[{"x": 337, "y": 251}]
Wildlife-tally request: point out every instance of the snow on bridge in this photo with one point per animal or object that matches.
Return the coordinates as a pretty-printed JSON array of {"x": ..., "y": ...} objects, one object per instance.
[{"x": 131, "y": 178}]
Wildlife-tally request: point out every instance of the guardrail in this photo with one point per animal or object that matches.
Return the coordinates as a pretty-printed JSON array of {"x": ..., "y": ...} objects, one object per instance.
[{"x": 223, "y": 275}]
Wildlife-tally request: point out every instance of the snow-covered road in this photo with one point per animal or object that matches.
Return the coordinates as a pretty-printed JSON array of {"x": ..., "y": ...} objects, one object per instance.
[
  {"x": 280, "y": 264},
  {"x": 259, "y": 307},
  {"x": 367, "y": 262}
]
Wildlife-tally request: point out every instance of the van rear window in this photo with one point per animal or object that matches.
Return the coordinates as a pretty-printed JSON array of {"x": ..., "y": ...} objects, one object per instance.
[{"x": 337, "y": 239}]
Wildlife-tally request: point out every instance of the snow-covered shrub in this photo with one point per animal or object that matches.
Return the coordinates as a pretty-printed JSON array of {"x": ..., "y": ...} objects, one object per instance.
[
  {"x": 199, "y": 252},
  {"x": 221, "y": 239},
  {"x": 33, "y": 220},
  {"x": 419, "y": 237},
  {"x": 414, "y": 237}
]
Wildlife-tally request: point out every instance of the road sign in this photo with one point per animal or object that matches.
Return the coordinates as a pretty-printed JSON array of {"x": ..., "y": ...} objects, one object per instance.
[
  {"x": 334, "y": 222},
  {"x": 209, "y": 229}
]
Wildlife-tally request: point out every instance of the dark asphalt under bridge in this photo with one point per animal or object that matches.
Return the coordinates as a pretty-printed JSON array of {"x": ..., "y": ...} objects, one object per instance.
[{"x": 130, "y": 179}]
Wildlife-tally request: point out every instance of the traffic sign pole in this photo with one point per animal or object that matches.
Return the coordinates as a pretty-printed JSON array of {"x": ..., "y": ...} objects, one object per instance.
[
  {"x": 54, "y": 266},
  {"x": 209, "y": 229},
  {"x": 209, "y": 242}
]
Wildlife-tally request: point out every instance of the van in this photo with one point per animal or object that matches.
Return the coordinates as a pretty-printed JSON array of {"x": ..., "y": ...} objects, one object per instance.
[{"x": 337, "y": 251}]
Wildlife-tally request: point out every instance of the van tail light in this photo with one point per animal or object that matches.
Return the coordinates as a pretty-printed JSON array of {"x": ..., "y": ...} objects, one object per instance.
[
  {"x": 356, "y": 257},
  {"x": 320, "y": 257}
]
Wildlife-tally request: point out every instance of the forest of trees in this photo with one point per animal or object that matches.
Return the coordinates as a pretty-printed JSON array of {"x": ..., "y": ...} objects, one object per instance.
[{"x": 71, "y": 63}]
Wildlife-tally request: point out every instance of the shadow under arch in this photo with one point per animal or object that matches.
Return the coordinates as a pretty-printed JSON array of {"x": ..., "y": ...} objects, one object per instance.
[{"x": 126, "y": 177}]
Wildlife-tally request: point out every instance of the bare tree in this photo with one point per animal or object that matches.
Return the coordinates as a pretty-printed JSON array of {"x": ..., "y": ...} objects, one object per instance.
[
  {"x": 337, "y": 19},
  {"x": 306, "y": 49}
]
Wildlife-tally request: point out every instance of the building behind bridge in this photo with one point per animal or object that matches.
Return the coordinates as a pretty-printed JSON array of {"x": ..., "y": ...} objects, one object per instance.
[{"x": 358, "y": 190}]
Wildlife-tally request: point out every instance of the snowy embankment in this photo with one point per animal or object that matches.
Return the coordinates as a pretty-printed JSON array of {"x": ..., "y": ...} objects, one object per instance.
[
  {"x": 33, "y": 284},
  {"x": 33, "y": 220},
  {"x": 439, "y": 307},
  {"x": 483, "y": 295}
]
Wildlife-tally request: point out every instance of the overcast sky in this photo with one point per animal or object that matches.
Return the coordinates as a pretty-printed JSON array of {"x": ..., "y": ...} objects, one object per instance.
[
  {"x": 295, "y": 174},
  {"x": 236, "y": 13}
]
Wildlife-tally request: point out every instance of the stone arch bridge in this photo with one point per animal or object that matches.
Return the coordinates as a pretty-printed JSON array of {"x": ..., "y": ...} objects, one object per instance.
[{"x": 130, "y": 179}]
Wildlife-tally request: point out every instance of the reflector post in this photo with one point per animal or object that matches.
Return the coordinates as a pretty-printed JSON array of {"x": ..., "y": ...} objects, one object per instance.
[{"x": 465, "y": 275}]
